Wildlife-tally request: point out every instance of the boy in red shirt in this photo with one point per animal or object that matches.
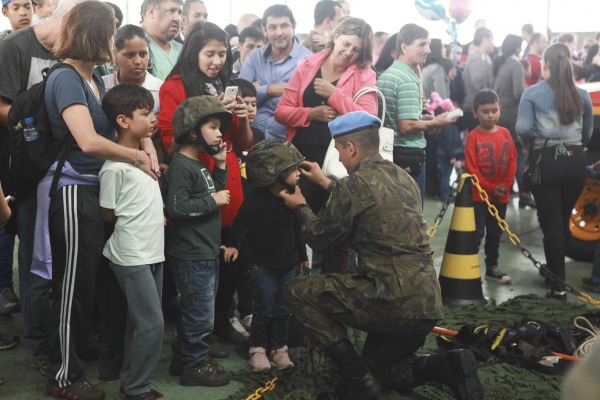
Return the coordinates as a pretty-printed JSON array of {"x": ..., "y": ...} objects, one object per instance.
[{"x": 490, "y": 154}]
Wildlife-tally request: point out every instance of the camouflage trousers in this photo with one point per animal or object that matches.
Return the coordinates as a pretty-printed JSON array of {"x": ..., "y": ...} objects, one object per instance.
[{"x": 325, "y": 305}]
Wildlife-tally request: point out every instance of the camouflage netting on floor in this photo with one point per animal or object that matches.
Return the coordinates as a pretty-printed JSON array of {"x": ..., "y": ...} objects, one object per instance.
[{"x": 501, "y": 381}]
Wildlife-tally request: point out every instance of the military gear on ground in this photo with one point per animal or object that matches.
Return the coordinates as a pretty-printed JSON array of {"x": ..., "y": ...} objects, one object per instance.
[
  {"x": 456, "y": 369},
  {"x": 189, "y": 114},
  {"x": 268, "y": 159}
]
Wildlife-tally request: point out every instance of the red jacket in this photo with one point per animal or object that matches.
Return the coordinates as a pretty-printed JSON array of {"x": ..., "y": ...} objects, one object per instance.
[
  {"x": 492, "y": 157},
  {"x": 172, "y": 93},
  {"x": 291, "y": 111}
]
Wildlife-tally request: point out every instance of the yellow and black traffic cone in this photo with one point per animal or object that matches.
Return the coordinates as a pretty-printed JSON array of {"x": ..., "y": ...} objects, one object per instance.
[{"x": 460, "y": 275}]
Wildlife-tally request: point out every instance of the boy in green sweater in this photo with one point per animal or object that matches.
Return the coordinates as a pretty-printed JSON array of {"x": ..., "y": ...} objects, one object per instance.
[{"x": 194, "y": 198}]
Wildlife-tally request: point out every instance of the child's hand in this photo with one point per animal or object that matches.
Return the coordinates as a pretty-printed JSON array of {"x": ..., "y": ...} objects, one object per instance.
[
  {"x": 221, "y": 156},
  {"x": 230, "y": 254},
  {"x": 240, "y": 108},
  {"x": 596, "y": 166},
  {"x": 221, "y": 197},
  {"x": 499, "y": 191}
]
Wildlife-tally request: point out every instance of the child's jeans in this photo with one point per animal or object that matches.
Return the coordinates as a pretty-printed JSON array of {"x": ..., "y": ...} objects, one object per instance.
[
  {"x": 487, "y": 226},
  {"x": 196, "y": 281},
  {"x": 270, "y": 318}
]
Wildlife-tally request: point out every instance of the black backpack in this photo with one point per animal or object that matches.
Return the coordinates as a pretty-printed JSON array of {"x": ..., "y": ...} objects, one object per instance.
[{"x": 31, "y": 160}]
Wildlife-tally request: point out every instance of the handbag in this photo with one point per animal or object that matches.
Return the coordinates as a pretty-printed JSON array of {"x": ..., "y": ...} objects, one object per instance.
[
  {"x": 332, "y": 166},
  {"x": 410, "y": 159}
]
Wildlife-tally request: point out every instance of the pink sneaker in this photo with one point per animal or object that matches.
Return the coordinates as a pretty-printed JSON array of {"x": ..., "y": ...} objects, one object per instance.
[
  {"x": 280, "y": 358},
  {"x": 258, "y": 359}
]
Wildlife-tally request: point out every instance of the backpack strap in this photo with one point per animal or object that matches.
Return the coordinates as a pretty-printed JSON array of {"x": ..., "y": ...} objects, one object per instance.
[{"x": 69, "y": 140}]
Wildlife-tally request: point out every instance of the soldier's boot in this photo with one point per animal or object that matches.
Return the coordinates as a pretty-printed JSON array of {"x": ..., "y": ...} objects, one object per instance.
[
  {"x": 356, "y": 382},
  {"x": 456, "y": 369}
]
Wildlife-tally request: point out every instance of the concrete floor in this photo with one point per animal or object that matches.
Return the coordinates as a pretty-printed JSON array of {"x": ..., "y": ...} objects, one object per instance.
[{"x": 23, "y": 383}]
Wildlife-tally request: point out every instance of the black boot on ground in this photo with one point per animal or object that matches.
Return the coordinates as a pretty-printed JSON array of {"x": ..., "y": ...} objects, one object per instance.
[
  {"x": 225, "y": 331},
  {"x": 456, "y": 369},
  {"x": 356, "y": 382}
]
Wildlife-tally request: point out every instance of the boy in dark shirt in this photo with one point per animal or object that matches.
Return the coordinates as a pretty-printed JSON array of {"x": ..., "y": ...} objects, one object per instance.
[
  {"x": 268, "y": 234},
  {"x": 194, "y": 198}
]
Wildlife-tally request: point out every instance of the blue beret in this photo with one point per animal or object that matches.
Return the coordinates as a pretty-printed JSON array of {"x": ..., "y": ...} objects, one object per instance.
[
  {"x": 5, "y": 2},
  {"x": 353, "y": 122}
]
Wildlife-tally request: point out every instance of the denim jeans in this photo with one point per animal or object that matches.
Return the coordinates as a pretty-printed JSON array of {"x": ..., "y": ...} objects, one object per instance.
[
  {"x": 196, "y": 281},
  {"x": 487, "y": 226},
  {"x": 34, "y": 291},
  {"x": 270, "y": 318}
]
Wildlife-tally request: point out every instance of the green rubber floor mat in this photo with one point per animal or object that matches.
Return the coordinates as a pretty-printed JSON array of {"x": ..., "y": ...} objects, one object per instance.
[{"x": 501, "y": 381}]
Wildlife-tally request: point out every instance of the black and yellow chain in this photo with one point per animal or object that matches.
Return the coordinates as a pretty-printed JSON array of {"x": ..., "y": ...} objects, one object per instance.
[
  {"x": 545, "y": 272},
  {"x": 438, "y": 219}
]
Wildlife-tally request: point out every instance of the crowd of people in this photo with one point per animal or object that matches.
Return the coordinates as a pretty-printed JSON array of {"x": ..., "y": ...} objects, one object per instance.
[{"x": 173, "y": 199}]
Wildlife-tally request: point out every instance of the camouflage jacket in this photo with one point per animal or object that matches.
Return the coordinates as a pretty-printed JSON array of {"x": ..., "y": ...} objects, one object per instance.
[{"x": 378, "y": 210}]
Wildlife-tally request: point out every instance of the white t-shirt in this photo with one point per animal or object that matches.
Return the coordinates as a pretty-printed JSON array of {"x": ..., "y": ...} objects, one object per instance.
[
  {"x": 135, "y": 197},
  {"x": 151, "y": 83}
]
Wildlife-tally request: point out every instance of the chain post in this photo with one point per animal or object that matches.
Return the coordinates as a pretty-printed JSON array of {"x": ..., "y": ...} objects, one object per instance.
[{"x": 517, "y": 242}]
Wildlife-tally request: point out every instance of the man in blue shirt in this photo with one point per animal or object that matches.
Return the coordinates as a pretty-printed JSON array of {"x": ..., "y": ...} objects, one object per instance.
[{"x": 270, "y": 68}]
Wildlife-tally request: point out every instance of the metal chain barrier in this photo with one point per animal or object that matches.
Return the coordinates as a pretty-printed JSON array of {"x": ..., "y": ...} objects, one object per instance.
[
  {"x": 432, "y": 230},
  {"x": 269, "y": 385},
  {"x": 545, "y": 272}
]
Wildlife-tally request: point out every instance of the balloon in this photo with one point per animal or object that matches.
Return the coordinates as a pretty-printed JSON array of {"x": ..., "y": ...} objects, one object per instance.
[
  {"x": 430, "y": 9},
  {"x": 459, "y": 10}
]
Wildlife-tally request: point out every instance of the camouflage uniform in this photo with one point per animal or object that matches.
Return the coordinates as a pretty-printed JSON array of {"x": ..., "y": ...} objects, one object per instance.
[{"x": 395, "y": 295}]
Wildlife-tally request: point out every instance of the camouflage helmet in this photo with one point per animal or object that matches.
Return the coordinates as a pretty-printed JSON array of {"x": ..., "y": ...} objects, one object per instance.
[
  {"x": 268, "y": 159},
  {"x": 191, "y": 112}
]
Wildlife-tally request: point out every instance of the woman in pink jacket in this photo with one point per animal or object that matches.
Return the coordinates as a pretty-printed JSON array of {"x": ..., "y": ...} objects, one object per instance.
[{"x": 323, "y": 87}]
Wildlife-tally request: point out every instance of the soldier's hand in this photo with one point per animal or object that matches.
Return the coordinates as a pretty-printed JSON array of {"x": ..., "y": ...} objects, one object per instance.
[
  {"x": 313, "y": 172},
  {"x": 292, "y": 200}
]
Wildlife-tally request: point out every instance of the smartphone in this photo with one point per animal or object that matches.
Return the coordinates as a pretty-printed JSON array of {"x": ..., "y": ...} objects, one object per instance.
[{"x": 231, "y": 92}]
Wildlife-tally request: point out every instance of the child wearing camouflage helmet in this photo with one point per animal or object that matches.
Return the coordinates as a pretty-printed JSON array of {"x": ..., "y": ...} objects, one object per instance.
[
  {"x": 193, "y": 201},
  {"x": 267, "y": 233}
]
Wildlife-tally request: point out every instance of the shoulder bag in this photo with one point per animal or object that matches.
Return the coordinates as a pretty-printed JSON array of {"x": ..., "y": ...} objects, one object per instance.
[{"x": 334, "y": 168}]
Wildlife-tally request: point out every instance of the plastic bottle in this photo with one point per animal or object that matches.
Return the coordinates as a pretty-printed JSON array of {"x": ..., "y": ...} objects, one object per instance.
[{"x": 30, "y": 131}]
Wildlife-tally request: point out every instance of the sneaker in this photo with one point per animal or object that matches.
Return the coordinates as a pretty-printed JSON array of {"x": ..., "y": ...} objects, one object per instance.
[
  {"x": 41, "y": 362},
  {"x": 591, "y": 284},
  {"x": 230, "y": 335},
  {"x": 82, "y": 390},
  {"x": 217, "y": 349},
  {"x": 280, "y": 358},
  {"x": 207, "y": 373},
  {"x": 246, "y": 322},
  {"x": 108, "y": 375},
  {"x": 237, "y": 325},
  {"x": 8, "y": 342},
  {"x": 151, "y": 395},
  {"x": 495, "y": 274},
  {"x": 526, "y": 199},
  {"x": 258, "y": 359},
  {"x": 9, "y": 302}
]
